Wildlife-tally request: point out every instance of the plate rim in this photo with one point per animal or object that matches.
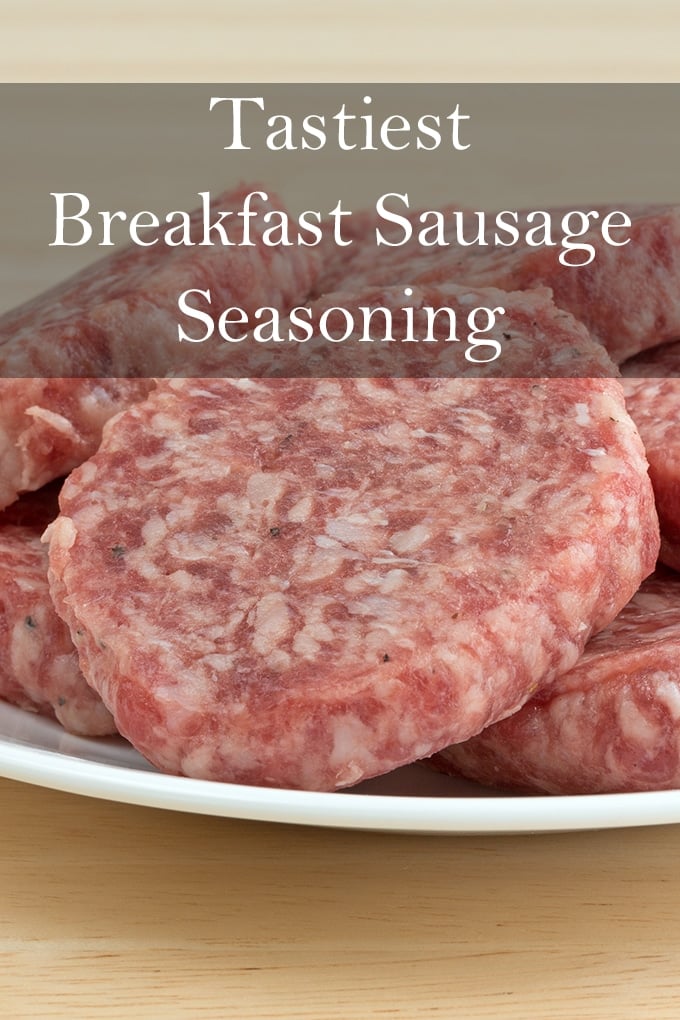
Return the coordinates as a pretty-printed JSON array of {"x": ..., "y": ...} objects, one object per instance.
[{"x": 455, "y": 815}]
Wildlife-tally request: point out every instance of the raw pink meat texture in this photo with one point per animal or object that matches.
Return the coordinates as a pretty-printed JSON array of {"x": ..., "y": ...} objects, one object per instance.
[
  {"x": 49, "y": 426},
  {"x": 39, "y": 668},
  {"x": 309, "y": 582},
  {"x": 611, "y": 724},
  {"x": 652, "y": 389},
  {"x": 534, "y": 338},
  {"x": 628, "y": 297},
  {"x": 118, "y": 318}
]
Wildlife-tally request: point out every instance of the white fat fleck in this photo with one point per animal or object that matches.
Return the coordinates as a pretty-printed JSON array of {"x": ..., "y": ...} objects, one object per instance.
[
  {"x": 375, "y": 516},
  {"x": 325, "y": 542},
  {"x": 147, "y": 568},
  {"x": 278, "y": 660},
  {"x": 323, "y": 632},
  {"x": 413, "y": 538},
  {"x": 323, "y": 564},
  {"x": 597, "y": 452},
  {"x": 582, "y": 414},
  {"x": 147, "y": 463},
  {"x": 668, "y": 694},
  {"x": 57, "y": 422},
  {"x": 330, "y": 423},
  {"x": 377, "y": 638},
  {"x": 305, "y": 644},
  {"x": 523, "y": 494},
  {"x": 572, "y": 602},
  {"x": 241, "y": 384},
  {"x": 635, "y": 726},
  {"x": 396, "y": 434},
  {"x": 349, "y": 774},
  {"x": 219, "y": 663},
  {"x": 154, "y": 530},
  {"x": 24, "y": 584},
  {"x": 271, "y": 623},
  {"x": 183, "y": 580},
  {"x": 349, "y": 531},
  {"x": 350, "y": 738},
  {"x": 393, "y": 580},
  {"x": 186, "y": 545},
  {"x": 301, "y": 511},
  {"x": 162, "y": 424},
  {"x": 476, "y": 416},
  {"x": 607, "y": 465},
  {"x": 88, "y": 473},
  {"x": 373, "y": 390},
  {"x": 97, "y": 397},
  {"x": 179, "y": 515},
  {"x": 353, "y": 528},
  {"x": 265, "y": 488},
  {"x": 375, "y": 606},
  {"x": 62, "y": 533},
  {"x": 326, "y": 388},
  {"x": 266, "y": 431}
]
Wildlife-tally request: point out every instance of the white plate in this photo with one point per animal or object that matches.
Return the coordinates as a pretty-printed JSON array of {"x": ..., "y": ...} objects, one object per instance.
[{"x": 412, "y": 799}]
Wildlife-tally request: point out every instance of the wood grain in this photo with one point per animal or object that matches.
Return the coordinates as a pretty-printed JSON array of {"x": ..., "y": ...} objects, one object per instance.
[
  {"x": 113, "y": 911},
  {"x": 123, "y": 911}
]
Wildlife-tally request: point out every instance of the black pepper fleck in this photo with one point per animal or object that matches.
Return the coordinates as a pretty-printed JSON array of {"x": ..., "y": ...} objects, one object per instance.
[
  {"x": 61, "y": 702},
  {"x": 275, "y": 532},
  {"x": 30, "y": 622},
  {"x": 118, "y": 551},
  {"x": 386, "y": 657}
]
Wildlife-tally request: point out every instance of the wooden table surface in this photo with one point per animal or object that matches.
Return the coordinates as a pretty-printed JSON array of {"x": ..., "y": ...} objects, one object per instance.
[{"x": 115, "y": 911}]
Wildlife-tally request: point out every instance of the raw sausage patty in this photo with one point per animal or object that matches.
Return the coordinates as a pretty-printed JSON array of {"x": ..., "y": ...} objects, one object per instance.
[
  {"x": 652, "y": 389},
  {"x": 39, "y": 668},
  {"x": 307, "y": 582},
  {"x": 611, "y": 724},
  {"x": 628, "y": 296},
  {"x": 67, "y": 357}
]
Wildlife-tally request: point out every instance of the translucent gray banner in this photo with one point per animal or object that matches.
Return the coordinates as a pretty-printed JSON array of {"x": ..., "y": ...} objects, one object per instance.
[{"x": 354, "y": 230}]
